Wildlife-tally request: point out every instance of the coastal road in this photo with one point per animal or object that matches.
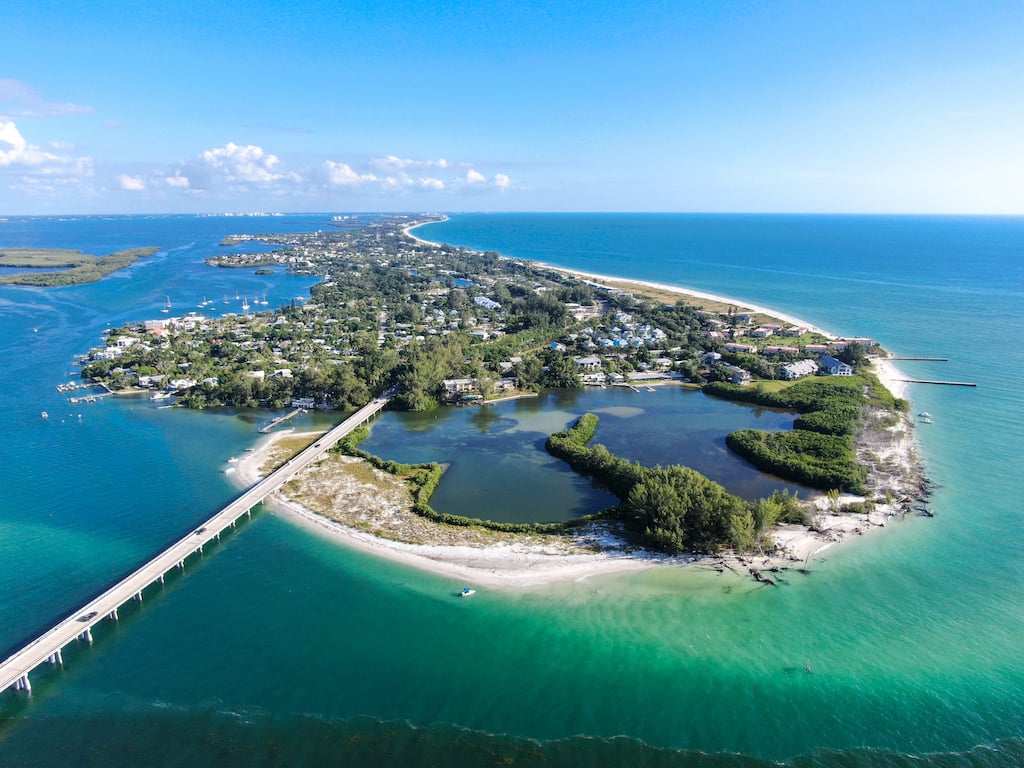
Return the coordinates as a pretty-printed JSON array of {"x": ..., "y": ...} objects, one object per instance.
[{"x": 14, "y": 671}]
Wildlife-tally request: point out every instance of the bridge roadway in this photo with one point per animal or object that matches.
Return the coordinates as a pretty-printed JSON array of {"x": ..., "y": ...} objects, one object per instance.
[{"x": 14, "y": 671}]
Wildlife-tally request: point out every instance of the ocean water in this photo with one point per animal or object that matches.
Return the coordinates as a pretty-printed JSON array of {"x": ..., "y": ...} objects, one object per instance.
[{"x": 281, "y": 647}]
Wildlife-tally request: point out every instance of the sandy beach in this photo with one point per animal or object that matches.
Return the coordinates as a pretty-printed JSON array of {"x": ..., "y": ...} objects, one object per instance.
[{"x": 531, "y": 562}]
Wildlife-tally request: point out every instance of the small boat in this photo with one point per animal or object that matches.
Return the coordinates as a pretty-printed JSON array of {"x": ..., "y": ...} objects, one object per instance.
[
  {"x": 467, "y": 592},
  {"x": 45, "y": 415},
  {"x": 924, "y": 415},
  {"x": 167, "y": 307}
]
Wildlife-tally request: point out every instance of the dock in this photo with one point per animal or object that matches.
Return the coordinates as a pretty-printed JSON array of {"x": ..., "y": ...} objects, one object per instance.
[
  {"x": 47, "y": 647},
  {"x": 280, "y": 420}
]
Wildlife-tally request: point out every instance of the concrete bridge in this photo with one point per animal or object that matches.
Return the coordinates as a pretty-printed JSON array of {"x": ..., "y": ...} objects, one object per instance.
[{"x": 14, "y": 671}]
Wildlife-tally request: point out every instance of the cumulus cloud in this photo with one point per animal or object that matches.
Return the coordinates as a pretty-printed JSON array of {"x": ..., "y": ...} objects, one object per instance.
[
  {"x": 342, "y": 175},
  {"x": 501, "y": 181},
  {"x": 130, "y": 183},
  {"x": 20, "y": 100},
  {"x": 474, "y": 177},
  {"x": 16, "y": 151},
  {"x": 429, "y": 183},
  {"x": 246, "y": 164},
  {"x": 31, "y": 161}
]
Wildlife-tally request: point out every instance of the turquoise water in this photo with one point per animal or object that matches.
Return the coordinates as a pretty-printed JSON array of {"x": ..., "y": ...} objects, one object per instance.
[{"x": 282, "y": 648}]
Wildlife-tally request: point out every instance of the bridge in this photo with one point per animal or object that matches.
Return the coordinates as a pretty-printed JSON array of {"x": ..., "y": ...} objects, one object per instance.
[{"x": 47, "y": 647}]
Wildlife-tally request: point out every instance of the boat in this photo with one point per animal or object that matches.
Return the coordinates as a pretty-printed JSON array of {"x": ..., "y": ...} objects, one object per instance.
[
  {"x": 245, "y": 305},
  {"x": 924, "y": 415},
  {"x": 167, "y": 307},
  {"x": 467, "y": 592},
  {"x": 45, "y": 415}
]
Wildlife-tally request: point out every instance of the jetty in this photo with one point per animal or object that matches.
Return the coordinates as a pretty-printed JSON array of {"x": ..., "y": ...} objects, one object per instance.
[
  {"x": 944, "y": 383},
  {"x": 47, "y": 648}
]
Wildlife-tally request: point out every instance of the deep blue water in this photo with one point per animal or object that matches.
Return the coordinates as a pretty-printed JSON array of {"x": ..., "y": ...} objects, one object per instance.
[{"x": 284, "y": 648}]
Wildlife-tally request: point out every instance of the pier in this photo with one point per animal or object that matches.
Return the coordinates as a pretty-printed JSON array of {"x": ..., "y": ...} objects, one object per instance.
[
  {"x": 47, "y": 647},
  {"x": 280, "y": 420}
]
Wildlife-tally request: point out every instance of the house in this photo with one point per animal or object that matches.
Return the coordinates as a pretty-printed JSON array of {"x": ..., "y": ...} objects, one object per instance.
[
  {"x": 738, "y": 375},
  {"x": 816, "y": 349},
  {"x": 592, "y": 363},
  {"x": 458, "y": 386},
  {"x": 483, "y": 301},
  {"x": 733, "y": 346},
  {"x": 799, "y": 369},
  {"x": 834, "y": 367}
]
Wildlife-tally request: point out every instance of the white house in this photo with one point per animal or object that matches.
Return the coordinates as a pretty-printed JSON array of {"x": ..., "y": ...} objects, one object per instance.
[
  {"x": 799, "y": 369},
  {"x": 834, "y": 367}
]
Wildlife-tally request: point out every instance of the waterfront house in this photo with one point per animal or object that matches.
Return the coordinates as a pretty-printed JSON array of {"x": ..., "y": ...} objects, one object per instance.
[
  {"x": 592, "y": 363},
  {"x": 799, "y": 369},
  {"x": 834, "y": 367}
]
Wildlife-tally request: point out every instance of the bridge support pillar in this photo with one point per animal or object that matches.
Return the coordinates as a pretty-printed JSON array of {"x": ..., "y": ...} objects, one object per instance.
[
  {"x": 23, "y": 684},
  {"x": 88, "y": 636},
  {"x": 113, "y": 614},
  {"x": 138, "y": 595},
  {"x": 161, "y": 578},
  {"x": 55, "y": 658}
]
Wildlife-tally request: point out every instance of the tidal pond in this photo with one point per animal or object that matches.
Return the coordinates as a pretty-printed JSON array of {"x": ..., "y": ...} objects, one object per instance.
[{"x": 497, "y": 467}]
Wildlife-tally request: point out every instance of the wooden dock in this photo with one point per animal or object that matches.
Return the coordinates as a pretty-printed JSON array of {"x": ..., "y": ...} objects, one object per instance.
[
  {"x": 14, "y": 671},
  {"x": 280, "y": 420}
]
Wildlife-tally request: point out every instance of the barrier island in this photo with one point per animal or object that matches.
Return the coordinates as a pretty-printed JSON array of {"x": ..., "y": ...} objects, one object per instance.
[{"x": 435, "y": 325}]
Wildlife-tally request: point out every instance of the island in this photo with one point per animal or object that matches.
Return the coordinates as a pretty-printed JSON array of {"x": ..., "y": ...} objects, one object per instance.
[
  {"x": 57, "y": 267},
  {"x": 433, "y": 325}
]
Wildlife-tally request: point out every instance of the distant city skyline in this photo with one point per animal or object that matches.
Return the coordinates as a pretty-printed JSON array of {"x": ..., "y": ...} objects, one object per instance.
[{"x": 874, "y": 107}]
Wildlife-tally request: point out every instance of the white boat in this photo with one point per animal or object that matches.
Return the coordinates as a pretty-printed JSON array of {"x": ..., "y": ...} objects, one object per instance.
[
  {"x": 45, "y": 415},
  {"x": 467, "y": 592},
  {"x": 924, "y": 415},
  {"x": 167, "y": 307}
]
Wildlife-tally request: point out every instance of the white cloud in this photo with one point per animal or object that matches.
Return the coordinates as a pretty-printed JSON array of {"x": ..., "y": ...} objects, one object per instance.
[
  {"x": 20, "y": 100},
  {"x": 429, "y": 183},
  {"x": 474, "y": 177},
  {"x": 342, "y": 175},
  {"x": 501, "y": 181},
  {"x": 248, "y": 164},
  {"x": 16, "y": 151},
  {"x": 177, "y": 181},
  {"x": 130, "y": 183},
  {"x": 29, "y": 160},
  {"x": 395, "y": 164}
]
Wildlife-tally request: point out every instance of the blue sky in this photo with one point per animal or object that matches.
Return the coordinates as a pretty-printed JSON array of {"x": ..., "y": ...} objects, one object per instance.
[{"x": 115, "y": 106}]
